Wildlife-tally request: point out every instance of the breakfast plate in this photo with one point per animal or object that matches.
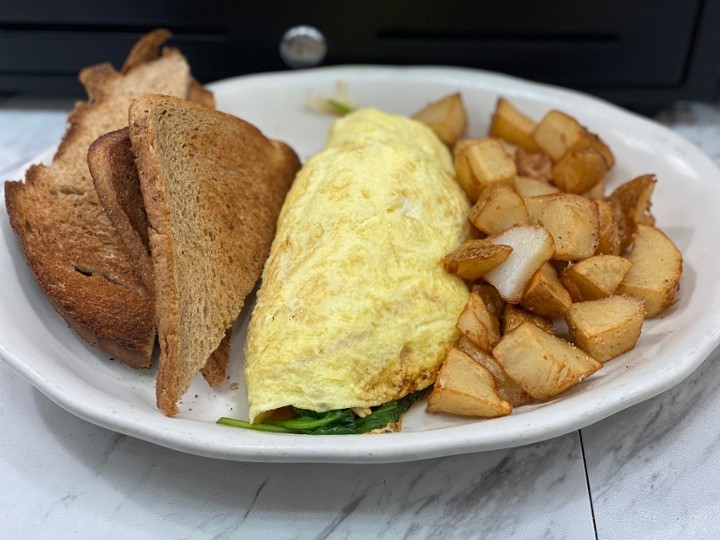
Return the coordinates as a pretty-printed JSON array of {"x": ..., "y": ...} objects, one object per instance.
[{"x": 37, "y": 343}]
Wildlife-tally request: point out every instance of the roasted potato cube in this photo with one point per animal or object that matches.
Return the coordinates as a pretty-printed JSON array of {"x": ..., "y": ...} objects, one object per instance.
[
  {"x": 506, "y": 388},
  {"x": 510, "y": 148},
  {"x": 446, "y": 117},
  {"x": 545, "y": 294},
  {"x": 654, "y": 276},
  {"x": 631, "y": 206},
  {"x": 591, "y": 139},
  {"x": 511, "y": 125},
  {"x": 497, "y": 209},
  {"x": 541, "y": 364},
  {"x": 597, "y": 191},
  {"x": 610, "y": 219},
  {"x": 461, "y": 144},
  {"x": 481, "y": 163},
  {"x": 478, "y": 323},
  {"x": 557, "y": 132},
  {"x": 466, "y": 388},
  {"x": 635, "y": 196},
  {"x": 490, "y": 295},
  {"x": 464, "y": 173},
  {"x": 579, "y": 170},
  {"x": 475, "y": 257},
  {"x": 531, "y": 187},
  {"x": 572, "y": 220},
  {"x": 595, "y": 277},
  {"x": 534, "y": 165},
  {"x": 532, "y": 247},
  {"x": 607, "y": 327},
  {"x": 514, "y": 316}
]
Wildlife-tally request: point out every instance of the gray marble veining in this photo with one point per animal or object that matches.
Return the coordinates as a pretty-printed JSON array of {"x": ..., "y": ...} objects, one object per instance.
[
  {"x": 654, "y": 469},
  {"x": 697, "y": 122}
]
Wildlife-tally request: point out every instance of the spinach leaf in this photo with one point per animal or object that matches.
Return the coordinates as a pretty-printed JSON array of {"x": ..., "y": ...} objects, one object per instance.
[
  {"x": 338, "y": 422},
  {"x": 386, "y": 413}
]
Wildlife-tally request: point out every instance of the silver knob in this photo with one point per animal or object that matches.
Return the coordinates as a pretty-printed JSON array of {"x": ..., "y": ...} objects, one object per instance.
[{"x": 303, "y": 46}]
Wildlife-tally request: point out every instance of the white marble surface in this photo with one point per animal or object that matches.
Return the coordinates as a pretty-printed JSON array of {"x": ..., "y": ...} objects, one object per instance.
[{"x": 648, "y": 472}]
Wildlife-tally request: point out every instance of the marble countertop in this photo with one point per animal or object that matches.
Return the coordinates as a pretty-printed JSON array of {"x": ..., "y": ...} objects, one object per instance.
[{"x": 648, "y": 472}]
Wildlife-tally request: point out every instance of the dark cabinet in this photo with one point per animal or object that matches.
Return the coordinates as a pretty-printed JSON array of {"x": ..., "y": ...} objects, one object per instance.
[{"x": 641, "y": 54}]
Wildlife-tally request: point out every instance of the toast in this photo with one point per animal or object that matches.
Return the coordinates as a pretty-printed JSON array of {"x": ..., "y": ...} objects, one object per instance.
[
  {"x": 112, "y": 166},
  {"x": 69, "y": 243},
  {"x": 213, "y": 186}
]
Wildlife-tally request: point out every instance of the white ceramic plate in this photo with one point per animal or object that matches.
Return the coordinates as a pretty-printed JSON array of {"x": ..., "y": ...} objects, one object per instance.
[{"x": 38, "y": 344}]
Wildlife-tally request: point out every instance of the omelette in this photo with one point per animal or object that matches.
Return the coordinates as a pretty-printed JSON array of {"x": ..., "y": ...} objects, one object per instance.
[{"x": 355, "y": 309}]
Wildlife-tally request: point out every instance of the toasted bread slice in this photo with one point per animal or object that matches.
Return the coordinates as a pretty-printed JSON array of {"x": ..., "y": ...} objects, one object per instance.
[
  {"x": 69, "y": 242},
  {"x": 112, "y": 165},
  {"x": 213, "y": 187}
]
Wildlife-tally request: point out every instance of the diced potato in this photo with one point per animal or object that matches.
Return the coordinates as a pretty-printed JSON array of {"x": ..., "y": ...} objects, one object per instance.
[
  {"x": 572, "y": 220},
  {"x": 579, "y": 170},
  {"x": 506, "y": 388},
  {"x": 475, "y": 257},
  {"x": 461, "y": 144},
  {"x": 463, "y": 172},
  {"x": 631, "y": 206},
  {"x": 595, "y": 277},
  {"x": 532, "y": 247},
  {"x": 514, "y": 316},
  {"x": 623, "y": 224},
  {"x": 610, "y": 218},
  {"x": 490, "y": 295},
  {"x": 446, "y": 117},
  {"x": 511, "y": 125},
  {"x": 656, "y": 269},
  {"x": 545, "y": 294},
  {"x": 478, "y": 323},
  {"x": 497, "y": 209},
  {"x": 607, "y": 327},
  {"x": 635, "y": 196},
  {"x": 559, "y": 266},
  {"x": 509, "y": 147},
  {"x": 597, "y": 191},
  {"x": 531, "y": 187},
  {"x": 534, "y": 165},
  {"x": 541, "y": 364},
  {"x": 591, "y": 139},
  {"x": 481, "y": 163},
  {"x": 558, "y": 132},
  {"x": 466, "y": 388}
]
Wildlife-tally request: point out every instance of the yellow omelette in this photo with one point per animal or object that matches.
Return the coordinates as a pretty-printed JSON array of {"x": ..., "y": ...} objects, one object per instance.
[{"x": 355, "y": 308}]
